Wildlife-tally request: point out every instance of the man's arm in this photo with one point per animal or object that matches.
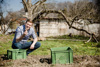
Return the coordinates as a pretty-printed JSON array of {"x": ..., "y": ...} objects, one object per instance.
[
  {"x": 22, "y": 36},
  {"x": 33, "y": 44},
  {"x": 35, "y": 39}
]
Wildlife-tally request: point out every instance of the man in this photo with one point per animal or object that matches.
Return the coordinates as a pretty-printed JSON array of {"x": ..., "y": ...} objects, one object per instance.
[{"x": 22, "y": 35}]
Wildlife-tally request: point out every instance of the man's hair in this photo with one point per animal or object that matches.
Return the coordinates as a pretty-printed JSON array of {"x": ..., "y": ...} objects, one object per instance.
[{"x": 28, "y": 20}]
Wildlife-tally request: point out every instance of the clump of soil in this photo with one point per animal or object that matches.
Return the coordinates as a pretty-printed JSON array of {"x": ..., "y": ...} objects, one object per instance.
[
  {"x": 45, "y": 61},
  {"x": 4, "y": 61}
]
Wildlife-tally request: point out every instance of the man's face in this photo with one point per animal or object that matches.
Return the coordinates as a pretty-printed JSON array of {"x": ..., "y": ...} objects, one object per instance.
[{"x": 28, "y": 25}]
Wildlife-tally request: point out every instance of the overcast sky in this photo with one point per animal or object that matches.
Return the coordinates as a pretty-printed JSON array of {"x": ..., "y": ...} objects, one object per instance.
[{"x": 16, "y": 5}]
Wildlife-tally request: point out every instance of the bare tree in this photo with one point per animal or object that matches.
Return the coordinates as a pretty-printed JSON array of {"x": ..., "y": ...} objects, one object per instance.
[
  {"x": 5, "y": 22},
  {"x": 97, "y": 3},
  {"x": 75, "y": 11},
  {"x": 31, "y": 9},
  {"x": 2, "y": 20},
  {"x": 83, "y": 9}
]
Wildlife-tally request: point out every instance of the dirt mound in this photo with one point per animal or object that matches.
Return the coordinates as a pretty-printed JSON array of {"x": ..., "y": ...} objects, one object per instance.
[{"x": 45, "y": 61}]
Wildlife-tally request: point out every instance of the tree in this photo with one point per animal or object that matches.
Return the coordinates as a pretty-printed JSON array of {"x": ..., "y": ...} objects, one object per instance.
[
  {"x": 2, "y": 21},
  {"x": 5, "y": 22},
  {"x": 97, "y": 3},
  {"x": 33, "y": 13},
  {"x": 32, "y": 9},
  {"x": 83, "y": 9}
]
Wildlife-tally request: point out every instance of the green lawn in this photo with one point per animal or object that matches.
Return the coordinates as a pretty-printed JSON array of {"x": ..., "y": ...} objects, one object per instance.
[
  {"x": 79, "y": 48},
  {"x": 70, "y": 37}
]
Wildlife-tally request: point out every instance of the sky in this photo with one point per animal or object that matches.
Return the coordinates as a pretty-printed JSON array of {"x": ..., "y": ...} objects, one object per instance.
[{"x": 16, "y": 5}]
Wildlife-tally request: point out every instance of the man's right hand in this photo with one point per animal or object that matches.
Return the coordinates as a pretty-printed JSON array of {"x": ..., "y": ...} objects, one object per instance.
[
  {"x": 25, "y": 33},
  {"x": 22, "y": 36}
]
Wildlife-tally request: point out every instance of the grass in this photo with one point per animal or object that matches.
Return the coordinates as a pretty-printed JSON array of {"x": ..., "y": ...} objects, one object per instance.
[
  {"x": 79, "y": 48},
  {"x": 70, "y": 37},
  {"x": 5, "y": 43}
]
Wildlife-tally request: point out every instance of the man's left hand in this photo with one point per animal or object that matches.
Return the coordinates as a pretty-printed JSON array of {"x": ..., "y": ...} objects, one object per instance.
[{"x": 32, "y": 47}]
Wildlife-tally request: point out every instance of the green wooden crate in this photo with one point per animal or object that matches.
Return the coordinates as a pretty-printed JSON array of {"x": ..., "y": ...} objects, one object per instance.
[
  {"x": 61, "y": 55},
  {"x": 16, "y": 54}
]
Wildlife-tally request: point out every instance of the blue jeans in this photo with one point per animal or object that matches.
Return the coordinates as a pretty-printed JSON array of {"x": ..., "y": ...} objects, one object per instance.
[{"x": 26, "y": 46}]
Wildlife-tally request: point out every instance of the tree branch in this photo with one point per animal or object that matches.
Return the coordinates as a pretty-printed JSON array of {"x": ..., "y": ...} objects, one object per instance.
[
  {"x": 36, "y": 5},
  {"x": 25, "y": 5},
  {"x": 74, "y": 20},
  {"x": 64, "y": 16}
]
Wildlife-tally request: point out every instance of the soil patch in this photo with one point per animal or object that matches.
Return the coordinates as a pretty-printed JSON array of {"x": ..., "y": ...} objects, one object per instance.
[{"x": 45, "y": 61}]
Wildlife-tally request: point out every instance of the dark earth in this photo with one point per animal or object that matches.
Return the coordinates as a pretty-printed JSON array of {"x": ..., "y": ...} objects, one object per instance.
[{"x": 45, "y": 61}]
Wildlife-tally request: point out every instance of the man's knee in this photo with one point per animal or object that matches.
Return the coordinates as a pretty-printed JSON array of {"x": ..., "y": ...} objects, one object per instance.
[
  {"x": 14, "y": 47},
  {"x": 18, "y": 45},
  {"x": 38, "y": 44}
]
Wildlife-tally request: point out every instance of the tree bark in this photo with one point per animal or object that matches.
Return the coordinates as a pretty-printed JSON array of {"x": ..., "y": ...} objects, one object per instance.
[{"x": 31, "y": 9}]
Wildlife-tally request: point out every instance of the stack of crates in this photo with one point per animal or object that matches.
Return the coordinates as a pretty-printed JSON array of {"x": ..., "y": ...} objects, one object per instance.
[
  {"x": 16, "y": 54},
  {"x": 61, "y": 55}
]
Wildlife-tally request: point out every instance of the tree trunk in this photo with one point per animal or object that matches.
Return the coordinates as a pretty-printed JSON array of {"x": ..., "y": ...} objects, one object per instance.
[{"x": 30, "y": 9}]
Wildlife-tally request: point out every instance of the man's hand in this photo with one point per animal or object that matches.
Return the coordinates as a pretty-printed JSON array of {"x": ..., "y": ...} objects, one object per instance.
[
  {"x": 32, "y": 47},
  {"x": 33, "y": 44},
  {"x": 25, "y": 33},
  {"x": 22, "y": 36}
]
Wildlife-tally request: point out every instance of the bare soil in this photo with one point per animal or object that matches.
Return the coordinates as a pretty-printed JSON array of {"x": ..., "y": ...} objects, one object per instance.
[{"x": 45, "y": 61}]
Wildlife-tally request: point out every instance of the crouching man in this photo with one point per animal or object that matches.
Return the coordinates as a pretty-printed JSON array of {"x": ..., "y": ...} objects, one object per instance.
[{"x": 22, "y": 34}]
